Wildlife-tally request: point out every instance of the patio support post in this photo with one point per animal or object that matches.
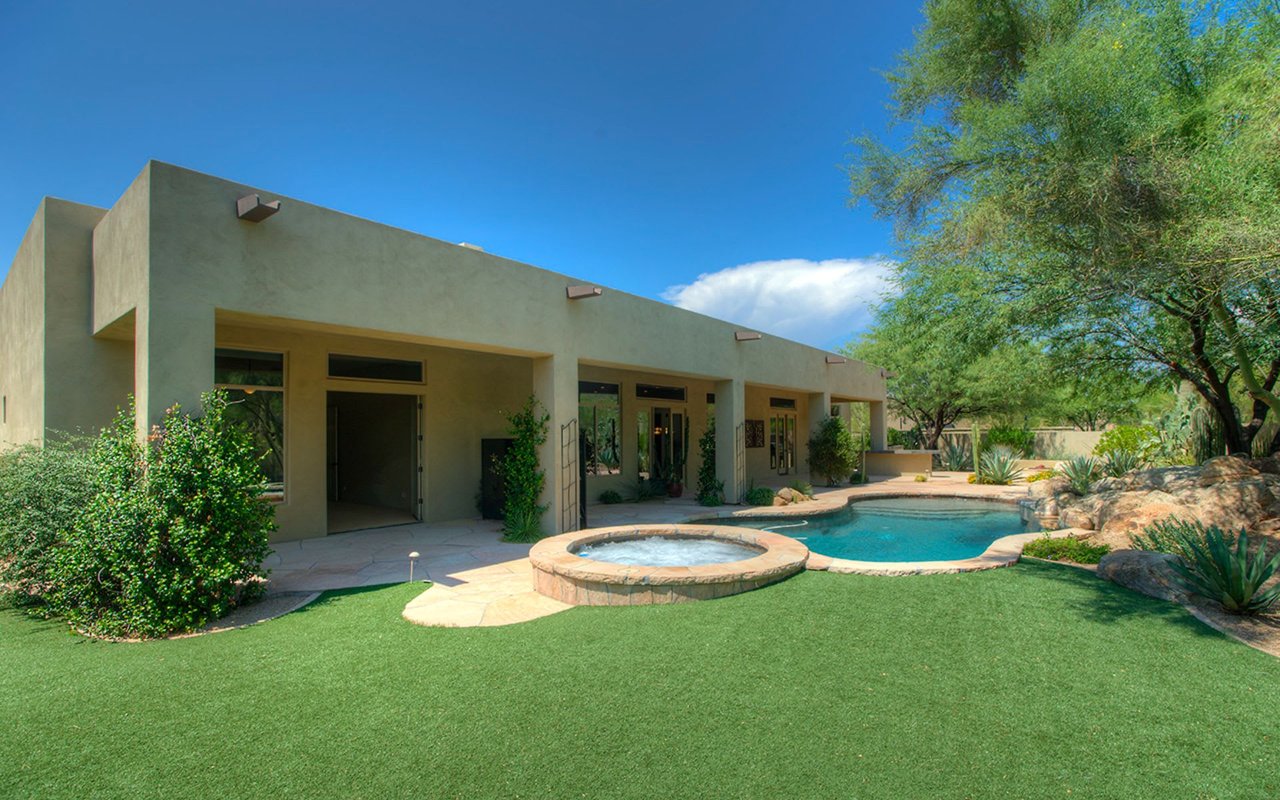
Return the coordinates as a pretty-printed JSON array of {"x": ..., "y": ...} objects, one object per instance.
[
  {"x": 731, "y": 411},
  {"x": 172, "y": 361},
  {"x": 555, "y": 384},
  {"x": 879, "y": 425},
  {"x": 819, "y": 410}
]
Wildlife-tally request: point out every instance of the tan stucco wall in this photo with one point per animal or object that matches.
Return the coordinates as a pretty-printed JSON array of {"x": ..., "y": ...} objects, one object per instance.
[
  {"x": 54, "y": 376},
  {"x": 22, "y": 334}
]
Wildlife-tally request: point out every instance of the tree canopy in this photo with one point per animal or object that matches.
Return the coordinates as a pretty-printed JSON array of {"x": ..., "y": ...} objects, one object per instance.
[{"x": 1106, "y": 171}]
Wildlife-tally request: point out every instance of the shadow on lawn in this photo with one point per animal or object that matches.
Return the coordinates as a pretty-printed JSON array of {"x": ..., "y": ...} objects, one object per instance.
[
  {"x": 330, "y": 596},
  {"x": 1107, "y": 602}
]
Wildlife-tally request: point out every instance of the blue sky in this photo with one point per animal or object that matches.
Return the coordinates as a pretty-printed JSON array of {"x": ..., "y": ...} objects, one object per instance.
[{"x": 684, "y": 151}]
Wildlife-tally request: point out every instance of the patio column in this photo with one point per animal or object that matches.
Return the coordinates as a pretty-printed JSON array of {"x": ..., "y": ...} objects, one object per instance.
[
  {"x": 555, "y": 384},
  {"x": 879, "y": 425},
  {"x": 172, "y": 360},
  {"x": 731, "y": 411}
]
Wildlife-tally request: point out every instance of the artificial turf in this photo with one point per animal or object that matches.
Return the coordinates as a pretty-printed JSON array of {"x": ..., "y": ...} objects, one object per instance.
[{"x": 1034, "y": 681}]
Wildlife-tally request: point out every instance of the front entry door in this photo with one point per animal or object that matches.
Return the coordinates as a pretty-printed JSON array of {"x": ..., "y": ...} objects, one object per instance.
[{"x": 667, "y": 447}]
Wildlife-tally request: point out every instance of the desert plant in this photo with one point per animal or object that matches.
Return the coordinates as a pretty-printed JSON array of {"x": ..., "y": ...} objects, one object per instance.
[
  {"x": 1019, "y": 440},
  {"x": 1042, "y": 475},
  {"x": 522, "y": 475},
  {"x": 175, "y": 535},
  {"x": 1121, "y": 462},
  {"x": 42, "y": 493},
  {"x": 609, "y": 497},
  {"x": 1227, "y": 573},
  {"x": 647, "y": 489},
  {"x": 802, "y": 486},
  {"x": 1080, "y": 472},
  {"x": 998, "y": 466},
  {"x": 1169, "y": 536},
  {"x": 956, "y": 455},
  {"x": 832, "y": 451},
  {"x": 710, "y": 488},
  {"x": 922, "y": 478},
  {"x": 1065, "y": 549},
  {"x": 759, "y": 496}
]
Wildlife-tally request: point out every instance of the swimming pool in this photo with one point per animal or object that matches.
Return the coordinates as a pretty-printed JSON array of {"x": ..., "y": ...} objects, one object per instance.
[{"x": 900, "y": 528}]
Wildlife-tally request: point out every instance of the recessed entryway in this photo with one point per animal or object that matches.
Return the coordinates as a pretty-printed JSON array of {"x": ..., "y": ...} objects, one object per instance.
[{"x": 372, "y": 460}]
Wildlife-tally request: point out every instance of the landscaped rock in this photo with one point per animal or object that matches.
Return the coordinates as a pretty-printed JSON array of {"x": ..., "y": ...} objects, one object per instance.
[
  {"x": 1142, "y": 571},
  {"x": 1049, "y": 487},
  {"x": 1229, "y": 492},
  {"x": 1225, "y": 468}
]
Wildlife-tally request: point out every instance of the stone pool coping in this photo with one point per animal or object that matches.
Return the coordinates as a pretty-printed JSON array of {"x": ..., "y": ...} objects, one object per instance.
[
  {"x": 563, "y": 575},
  {"x": 1003, "y": 552}
]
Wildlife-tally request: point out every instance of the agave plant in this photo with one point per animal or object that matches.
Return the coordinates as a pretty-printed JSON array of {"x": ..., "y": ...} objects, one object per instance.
[
  {"x": 998, "y": 466},
  {"x": 1119, "y": 462},
  {"x": 955, "y": 455},
  {"x": 1230, "y": 574},
  {"x": 1080, "y": 472}
]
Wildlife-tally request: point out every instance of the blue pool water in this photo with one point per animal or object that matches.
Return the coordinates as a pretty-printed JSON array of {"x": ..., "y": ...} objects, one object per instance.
[{"x": 900, "y": 529}]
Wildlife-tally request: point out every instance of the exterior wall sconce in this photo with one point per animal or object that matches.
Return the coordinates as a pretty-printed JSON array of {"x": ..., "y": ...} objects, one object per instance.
[
  {"x": 250, "y": 208},
  {"x": 837, "y": 360},
  {"x": 746, "y": 336},
  {"x": 582, "y": 291}
]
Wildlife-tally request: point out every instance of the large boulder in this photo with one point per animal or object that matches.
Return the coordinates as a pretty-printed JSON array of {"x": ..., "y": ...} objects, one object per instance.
[
  {"x": 1134, "y": 512},
  {"x": 1144, "y": 572},
  {"x": 1235, "y": 504},
  {"x": 1049, "y": 487},
  {"x": 1225, "y": 468}
]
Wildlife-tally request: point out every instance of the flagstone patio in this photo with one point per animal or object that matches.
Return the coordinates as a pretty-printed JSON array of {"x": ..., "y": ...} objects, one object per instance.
[{"x": 479, "y": 580}]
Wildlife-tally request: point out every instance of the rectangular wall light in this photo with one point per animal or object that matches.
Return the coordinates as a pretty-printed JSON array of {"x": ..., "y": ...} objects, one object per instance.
[
  {"x": 583, "y": 291},
  {"x": 746, "y": 336},
  {"x": 837, "y": 360}
]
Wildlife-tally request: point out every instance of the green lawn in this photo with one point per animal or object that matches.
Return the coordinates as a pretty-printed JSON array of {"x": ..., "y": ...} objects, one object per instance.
[{"x": 1034, "y": 681}]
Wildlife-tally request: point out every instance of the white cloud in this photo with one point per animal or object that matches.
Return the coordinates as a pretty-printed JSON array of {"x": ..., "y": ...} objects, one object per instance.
[{"x": 822, "y": 303}]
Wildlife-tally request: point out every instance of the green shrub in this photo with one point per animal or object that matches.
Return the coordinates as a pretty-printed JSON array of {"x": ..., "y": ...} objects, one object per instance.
[
  {"x": 1019, "y": 440},
  {"x": 910, "y": 439},
  {"x": 922, "y": 478},
  {"x": 1081, "y": 472},
  {"x": 522, "y": 475},
  {"x": 998, "y": 466},
  {"x": 759, "y": 496},
  {"x": 832, "y": 451},
  {"x": 1121, "y": 462},
  {"x": 1210, "y": 566},
  {"x": 801, "y": 486},
  {"x": 1136, "y": 439},
  {"x": 43, "y": 491},
  {"x": 710, "y": 488},
  {"x": 1042, "y": 475},
  {"x": 609, "y": 497},
  {"x": 956, "y": 455},
  {"x": 175, "y": 535},
  {"x": 1065, "y": 549}
]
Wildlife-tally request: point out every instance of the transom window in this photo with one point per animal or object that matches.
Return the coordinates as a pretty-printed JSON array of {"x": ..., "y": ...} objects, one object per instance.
[
  {"x": 374, "y": 369},
  {"x": 655, "y": 392}
]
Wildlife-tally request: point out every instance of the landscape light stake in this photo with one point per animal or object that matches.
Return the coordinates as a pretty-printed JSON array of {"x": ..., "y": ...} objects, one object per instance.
[{"x": 413, "y": 557}]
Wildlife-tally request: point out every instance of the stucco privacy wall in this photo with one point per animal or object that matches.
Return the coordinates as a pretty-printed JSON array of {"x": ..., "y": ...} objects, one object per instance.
[{"x": 54, "y": 376}]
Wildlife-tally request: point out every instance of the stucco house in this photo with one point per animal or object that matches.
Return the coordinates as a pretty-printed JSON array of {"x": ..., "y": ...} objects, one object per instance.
[{"x": 375, "y": 364}]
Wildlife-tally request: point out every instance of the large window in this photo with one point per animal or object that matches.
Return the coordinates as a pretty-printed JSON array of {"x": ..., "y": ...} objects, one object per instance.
[
  {"x": 600, "y": 422},
  {"x": 254, "y": 383}
]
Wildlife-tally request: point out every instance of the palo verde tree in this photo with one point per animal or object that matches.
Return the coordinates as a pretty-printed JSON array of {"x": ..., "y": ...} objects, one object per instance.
[{"x": 1111, "y": 167}]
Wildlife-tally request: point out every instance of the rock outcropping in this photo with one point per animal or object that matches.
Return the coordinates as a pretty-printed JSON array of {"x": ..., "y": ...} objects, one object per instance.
[{"x": 1227, "y": 491}]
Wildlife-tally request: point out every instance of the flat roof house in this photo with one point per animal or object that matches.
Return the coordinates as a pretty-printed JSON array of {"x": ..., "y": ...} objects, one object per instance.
[{"x": 375, "y": 364}]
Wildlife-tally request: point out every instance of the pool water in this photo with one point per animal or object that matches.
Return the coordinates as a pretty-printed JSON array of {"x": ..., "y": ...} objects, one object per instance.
[
  {"x": 668, "y": 551},
  {"x": 900, "y": 529}
]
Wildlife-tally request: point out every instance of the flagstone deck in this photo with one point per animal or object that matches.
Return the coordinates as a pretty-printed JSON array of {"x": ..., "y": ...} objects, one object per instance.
[{"x": 479, "y": 580}]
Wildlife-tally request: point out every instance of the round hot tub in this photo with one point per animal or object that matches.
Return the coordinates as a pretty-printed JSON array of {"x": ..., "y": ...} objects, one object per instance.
[{"x": 647, "y": 564}]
